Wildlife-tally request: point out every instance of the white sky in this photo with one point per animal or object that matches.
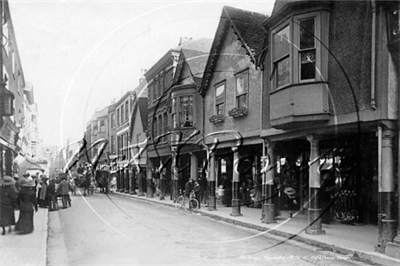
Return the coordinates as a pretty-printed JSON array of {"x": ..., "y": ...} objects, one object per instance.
[{"x": 79, "y": 55}]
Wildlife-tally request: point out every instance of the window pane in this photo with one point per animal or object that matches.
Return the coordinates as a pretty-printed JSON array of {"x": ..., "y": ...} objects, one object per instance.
[
  {"x": 307, "y": 39},
  {"x": 186, "y": 111},
  {"x": 307, "y": 65},
  {"x": 242, "y": 100},
  {"x": 241, "y": 84},
  {"x": 220, "y": 93},
  {"x": 220, "y": 109},
  {"x": 282, "y": 72},
  {"x": 282, "y": 43},
  {"x": 173, "y": 105}
]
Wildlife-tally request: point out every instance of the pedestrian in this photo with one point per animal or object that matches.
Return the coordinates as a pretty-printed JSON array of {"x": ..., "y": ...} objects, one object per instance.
[
  {"x": 190, "y": 186},
  {"x": 42, "y": 200},
  {"x": 203, "y": 190},
  {"x": 27, "y": 205},
  {"x": 17, "y": 182},
  {"x": 51, "y": 196},
  {"x": 8, "y": 196},
  {"x": 64, "y": 192}
]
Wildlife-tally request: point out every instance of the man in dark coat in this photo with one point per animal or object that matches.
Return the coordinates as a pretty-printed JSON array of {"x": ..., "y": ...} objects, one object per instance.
[
  {"x": 8, "y": 197},
  {"x": 64, "y": 190},
  {"x": 51, "y": 195}
]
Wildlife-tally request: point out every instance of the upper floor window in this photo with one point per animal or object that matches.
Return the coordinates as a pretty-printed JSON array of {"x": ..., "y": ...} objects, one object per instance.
[
  {"x": 307, "y": 49},
  {"x": 281, "y": 57},
  {"x": 182, "y": 111},
  {"x": 160, "y": 85},
  {"x": 102, "y": 126},
  {"x": 165, "y": 126},
  {"x": 122, "y": 114},
  {"x": 296, "y": 51},
  {"x": 126, "y": 111},
  {"x": 186, "y": 111},
  {"x": 112, "y": 120},
  {"x": 95, "y": 129},
  {"x": 173, "y": 111},
  {"x": 242, "y": 89},
  {"x": 160, "y": 125},
  {"x": 220, "y": 99}
]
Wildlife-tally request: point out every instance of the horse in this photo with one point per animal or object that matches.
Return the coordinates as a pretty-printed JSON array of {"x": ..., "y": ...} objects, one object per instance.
[{"x": 102, "y": 180}]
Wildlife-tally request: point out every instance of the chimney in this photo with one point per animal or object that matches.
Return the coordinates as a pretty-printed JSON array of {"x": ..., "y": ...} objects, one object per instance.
[{"x": 142, "y": 78}]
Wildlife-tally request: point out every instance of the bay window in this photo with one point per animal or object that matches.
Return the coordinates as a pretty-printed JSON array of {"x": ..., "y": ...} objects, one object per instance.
[
  {"x": 182, "y": 111},
  {"x": 296, "y": 54},
  {"x": 281, "y": 57}
]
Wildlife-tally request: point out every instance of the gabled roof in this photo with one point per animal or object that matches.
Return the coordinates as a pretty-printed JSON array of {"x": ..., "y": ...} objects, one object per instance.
[
  {"x": 196, "y": 62},
  {"x": 249, "y": 30},
  {"x": 279, "y": 4},
  {"x": 140, "y": 107}
]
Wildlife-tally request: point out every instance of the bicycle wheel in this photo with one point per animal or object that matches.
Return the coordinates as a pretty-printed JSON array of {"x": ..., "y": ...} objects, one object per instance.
[
  {"x": 192, "y": 204},
  {"x": 179, "y": 202},
  {"x": 195, "y": 203}
]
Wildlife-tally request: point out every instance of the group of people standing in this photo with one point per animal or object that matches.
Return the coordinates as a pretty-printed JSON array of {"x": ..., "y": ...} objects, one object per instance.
[
  {"x": 27, "y": 195},
  {"x": 17, "y": 196}
]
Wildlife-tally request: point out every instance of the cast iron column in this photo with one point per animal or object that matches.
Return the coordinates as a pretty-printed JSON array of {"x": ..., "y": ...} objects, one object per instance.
[
  {"x": 117, "y": 175},
  {"x": 122, "y": 184},
  {"x": 127, "y": 179},
  {"x": 393, "y": 249},
  {"x": 132, "y": 186},
  {"x": 268, "y": 181},
  {"x": 212, "y": 203},
  {"x": 314, "y": 210},
  {"x": 193, "y": 166},
  {"x": 140, "y": 182},
  {"x": 235, "y": 184},
  {"x": 386, "y": 192},
  {"x": 174, "y": 175},
  {"x": 149, "y": 178}
]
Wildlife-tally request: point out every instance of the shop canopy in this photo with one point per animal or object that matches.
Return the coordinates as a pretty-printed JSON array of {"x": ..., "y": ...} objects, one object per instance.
[{"x": 25, "y": 165}]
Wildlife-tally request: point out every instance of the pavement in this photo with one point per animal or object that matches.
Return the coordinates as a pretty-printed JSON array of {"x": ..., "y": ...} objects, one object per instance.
[
  {"x": 356, "y": 241},
  {"x": 29, "y": 249}
]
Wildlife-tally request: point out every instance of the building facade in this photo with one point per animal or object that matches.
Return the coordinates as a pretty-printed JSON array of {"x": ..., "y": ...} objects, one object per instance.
[
  {"x": 330, "y": 114},
  {"x": 12, "y": 98},
  {"x": 231, "y": 90}
]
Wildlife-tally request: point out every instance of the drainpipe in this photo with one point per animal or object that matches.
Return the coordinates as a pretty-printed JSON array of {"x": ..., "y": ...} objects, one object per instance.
[
  {"x": 373, "y": 54},
  {"x": 378, "y": 247}
]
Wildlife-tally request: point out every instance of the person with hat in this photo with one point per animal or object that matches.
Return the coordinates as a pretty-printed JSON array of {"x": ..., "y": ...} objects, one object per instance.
[
  {"x": 8, "y": 195},
  {"x": 27, "y": 204},
  {"x": 42, "y": 199},
  {"x": 17, "y": 182}
]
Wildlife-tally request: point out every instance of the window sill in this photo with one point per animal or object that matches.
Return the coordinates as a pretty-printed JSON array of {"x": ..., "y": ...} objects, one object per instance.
[
  {"x": 297, "y": 84},
  {"x": 217, "y": 119},
  {"x": 238, "y": 112}
]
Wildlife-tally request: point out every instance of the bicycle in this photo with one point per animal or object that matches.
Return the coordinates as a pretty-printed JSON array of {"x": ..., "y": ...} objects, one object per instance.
[{"x": 187, "y": 204}]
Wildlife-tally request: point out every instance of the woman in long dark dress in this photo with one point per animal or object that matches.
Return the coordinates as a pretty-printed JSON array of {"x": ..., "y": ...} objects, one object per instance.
[
  {"x": 27, "y": 204},
  {"x": 8, "y": 197}
]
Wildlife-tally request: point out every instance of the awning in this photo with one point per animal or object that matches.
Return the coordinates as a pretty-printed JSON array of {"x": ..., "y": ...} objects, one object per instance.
[{"x": 26, "y": 165}]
